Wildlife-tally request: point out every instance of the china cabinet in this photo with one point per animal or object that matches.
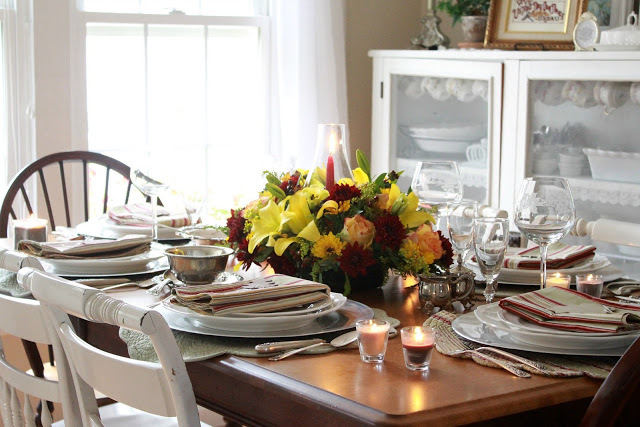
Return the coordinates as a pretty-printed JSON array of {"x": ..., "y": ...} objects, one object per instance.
[{"x": 506, "y": 115}]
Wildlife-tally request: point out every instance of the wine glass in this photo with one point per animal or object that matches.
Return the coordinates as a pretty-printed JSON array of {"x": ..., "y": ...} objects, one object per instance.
[
  {"x": 152, "y": 188},
  {"x": 490, "y": 239},
  {"x": 460, "y": 226},
  {"x": 544, "y": 213},
  {"x": 194, "y": 204},
  {"x": 437, "y": 184}
]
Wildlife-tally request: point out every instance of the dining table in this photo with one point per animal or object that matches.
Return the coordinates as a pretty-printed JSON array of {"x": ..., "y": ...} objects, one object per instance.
[{"x": 337, "y": 388}]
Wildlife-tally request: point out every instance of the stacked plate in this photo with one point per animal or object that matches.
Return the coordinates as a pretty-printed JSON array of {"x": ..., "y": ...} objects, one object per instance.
[
  {"x": 105, "y": 228},
  {"x": 339, "y": 314},
  {"x": 491, "y": 325}
]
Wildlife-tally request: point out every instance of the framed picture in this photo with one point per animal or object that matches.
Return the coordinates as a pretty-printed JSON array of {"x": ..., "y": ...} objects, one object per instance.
[
  {"x": 611, "y": 13},
  {"x": 533, "y": 24}
]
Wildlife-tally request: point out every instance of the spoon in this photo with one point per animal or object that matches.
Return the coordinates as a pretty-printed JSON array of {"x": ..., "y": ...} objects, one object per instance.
[{"x": 337, "y": 342}]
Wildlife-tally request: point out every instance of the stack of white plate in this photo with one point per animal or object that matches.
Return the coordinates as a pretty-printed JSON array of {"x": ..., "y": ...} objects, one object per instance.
[
  {"x": 491, "y": 325},
  {"x": 148, "y": 262}
]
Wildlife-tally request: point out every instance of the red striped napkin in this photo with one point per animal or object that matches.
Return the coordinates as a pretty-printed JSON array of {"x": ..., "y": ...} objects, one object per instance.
[
  {"x": 569, "y": 310},
  {"x": 263, "y": 295},
  {"x": 140, "y": 214},
  {"x": 559, "y": 256}
]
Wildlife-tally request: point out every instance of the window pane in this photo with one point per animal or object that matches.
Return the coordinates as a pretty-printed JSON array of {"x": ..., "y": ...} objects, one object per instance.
[
  {"x": 115, "y": 86},
  {"x": 190, "y": 7}
]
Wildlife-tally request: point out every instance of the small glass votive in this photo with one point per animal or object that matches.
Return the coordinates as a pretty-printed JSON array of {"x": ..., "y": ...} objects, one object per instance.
[
  {"x": 34, "y": 229},
  {"x": 590, "y": 284},
  {"x": 372, "y": 339},
  {"x": 417, "y": 346},
  {"x": 559, "y": 280}
]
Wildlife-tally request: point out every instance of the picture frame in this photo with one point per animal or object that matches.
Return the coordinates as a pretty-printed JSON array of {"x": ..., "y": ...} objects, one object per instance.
[
  {"x": 533, "y": 24},
  {"x": 611, "y": 13}
]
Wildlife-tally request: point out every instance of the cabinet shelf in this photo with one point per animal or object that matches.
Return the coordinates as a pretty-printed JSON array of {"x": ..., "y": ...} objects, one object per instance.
[{"x": 607, "y": 192}]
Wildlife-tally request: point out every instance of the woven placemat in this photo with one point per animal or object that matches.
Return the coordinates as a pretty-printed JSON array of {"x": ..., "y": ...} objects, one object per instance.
[
  {"x": 196, "y": 347},
  {"x": 451, "y": 344},
  {"x": 9, "y": 285}
]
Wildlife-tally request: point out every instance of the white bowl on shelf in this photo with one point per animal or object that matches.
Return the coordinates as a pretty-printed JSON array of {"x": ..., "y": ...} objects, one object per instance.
[{"x": 614, "y": 165}]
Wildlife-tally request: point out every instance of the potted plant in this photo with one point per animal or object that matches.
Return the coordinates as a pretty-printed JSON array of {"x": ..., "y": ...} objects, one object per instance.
[{"x": 471, "y": 13}]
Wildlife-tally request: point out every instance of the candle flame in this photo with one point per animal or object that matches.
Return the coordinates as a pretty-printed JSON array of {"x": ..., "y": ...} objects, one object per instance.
[{"x": 333, "y": 142}]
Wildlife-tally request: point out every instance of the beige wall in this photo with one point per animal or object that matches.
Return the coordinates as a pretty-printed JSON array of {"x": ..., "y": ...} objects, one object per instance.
[{"x": 378, "y": 24}]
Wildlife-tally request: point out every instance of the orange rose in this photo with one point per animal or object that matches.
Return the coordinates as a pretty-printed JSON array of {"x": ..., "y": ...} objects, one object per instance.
[
  {"x": 358, "y": 229},
  {"x": 427, "y": 241}
]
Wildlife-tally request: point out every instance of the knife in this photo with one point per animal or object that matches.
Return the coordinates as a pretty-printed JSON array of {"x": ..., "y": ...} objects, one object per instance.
[{"x": 272, "y": 347}]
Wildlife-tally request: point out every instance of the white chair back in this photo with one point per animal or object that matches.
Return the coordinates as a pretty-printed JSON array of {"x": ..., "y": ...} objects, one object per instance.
[
  {"x": 162, "y": 389},
  {"x": 25, "y": 319}
]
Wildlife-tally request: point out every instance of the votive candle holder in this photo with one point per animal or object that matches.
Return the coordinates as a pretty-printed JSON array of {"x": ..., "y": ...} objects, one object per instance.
[
  {"x": 417, "y": 347},
  {"x": 590, "y": 284},
  {"x": 372, "y": 339}
]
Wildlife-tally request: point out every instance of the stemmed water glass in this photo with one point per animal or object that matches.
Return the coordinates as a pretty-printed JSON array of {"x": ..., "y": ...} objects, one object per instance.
[
  {"x": 437, "y": 184},
  {"x": 460, "y": 226},
  {"x": 544, "y": 213},
  {"x": 194, "y": 204},
  {"x": 149, "y": 187},
  {"x": 490, "y": 239}
]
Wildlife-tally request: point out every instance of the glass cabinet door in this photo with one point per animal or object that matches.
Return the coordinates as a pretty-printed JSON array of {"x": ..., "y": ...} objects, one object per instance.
[
  {"x": 441, "y": 110},
  {"x": 583, "y": 123}
]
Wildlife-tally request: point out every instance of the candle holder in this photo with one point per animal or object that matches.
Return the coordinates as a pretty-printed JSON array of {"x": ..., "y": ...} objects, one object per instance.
[
  {"x": 590, "y": 284},
  {"x": 417, "y": 346},
  {"x": 559, "y": 280},
  {"x": 372, "y": 339},
  {"x": 330, "y": 161},
  {"x": 32, "y": 228}
]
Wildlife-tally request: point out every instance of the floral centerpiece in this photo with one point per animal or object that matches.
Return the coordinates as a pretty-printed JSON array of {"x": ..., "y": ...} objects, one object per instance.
[{"x": 349, "y": 236}]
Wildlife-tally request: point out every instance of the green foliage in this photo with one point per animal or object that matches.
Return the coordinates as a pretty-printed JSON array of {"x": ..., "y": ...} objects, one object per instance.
[{"x": 459, "y": 8}]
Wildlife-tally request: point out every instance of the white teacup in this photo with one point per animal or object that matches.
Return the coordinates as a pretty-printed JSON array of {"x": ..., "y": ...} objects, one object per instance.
[
  {"x": 580, "y": 93},
  {"x": 436, "y": 87},
  {"x": 611, "y": 95},
  {"x": 634, "y": 92},
  {"x": 481, "y": 88},
  {"x": 476, "y": 153},
  {"x": 549, "y": 92}
]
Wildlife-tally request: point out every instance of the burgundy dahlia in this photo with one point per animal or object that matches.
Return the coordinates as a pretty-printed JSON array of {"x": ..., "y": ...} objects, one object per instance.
[
  {"x": 236, "y": 224},
  {"x": 282, "y": 265},
  {"x": 355, "y": 260},
  {"x": 343, "y": 192},
  {"x": 389, "y": 231},
  {"x": 447, "y": 251}
]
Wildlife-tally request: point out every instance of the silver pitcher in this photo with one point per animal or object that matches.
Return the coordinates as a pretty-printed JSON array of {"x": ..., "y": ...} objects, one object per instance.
[{"x": 441, "y": 290}]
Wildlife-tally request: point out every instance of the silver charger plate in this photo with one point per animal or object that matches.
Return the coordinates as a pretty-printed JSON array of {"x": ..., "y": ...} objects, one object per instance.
[
  {"x": 155, "y": 266},
  {"x": 341, "y": 319},
  {"x": 470, "y": 327}
]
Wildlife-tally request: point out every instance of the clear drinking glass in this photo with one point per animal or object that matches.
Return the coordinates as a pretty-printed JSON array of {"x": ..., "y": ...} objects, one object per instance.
[
  {"x": 437, "y": 184},
  {"x": 194, "y": 204},
  {"x": 544, "y": 213},
  {"x": 460, "y": 226},
  {"x": 490, "y": 241},
  {"x": 152, "y": 188}
]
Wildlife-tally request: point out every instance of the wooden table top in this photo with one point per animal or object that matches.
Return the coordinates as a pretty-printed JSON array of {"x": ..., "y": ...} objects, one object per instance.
[{"x": 338, "y": 389}]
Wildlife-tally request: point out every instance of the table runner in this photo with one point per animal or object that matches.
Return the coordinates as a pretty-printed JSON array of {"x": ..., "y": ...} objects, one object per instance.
[
  {"x": 448, "y": 342},
  {"x": 195, "y": 347}
]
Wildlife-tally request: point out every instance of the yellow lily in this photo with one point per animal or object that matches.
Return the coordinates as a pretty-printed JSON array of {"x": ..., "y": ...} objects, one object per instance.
[
  {"x": 412, "y": 217},
  {"x": 270, "y": 223},
  {"x": 315, "y": 194},
  {"x": 360, "y": 176}
]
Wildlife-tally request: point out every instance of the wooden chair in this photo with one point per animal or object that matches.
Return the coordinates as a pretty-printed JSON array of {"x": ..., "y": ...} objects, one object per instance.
[
  {"x": 24, "y": 318},
  {"x": 54, "y": 164},
  {"x": 618, "y": 399},
  {"x": 163, "y": 389}
]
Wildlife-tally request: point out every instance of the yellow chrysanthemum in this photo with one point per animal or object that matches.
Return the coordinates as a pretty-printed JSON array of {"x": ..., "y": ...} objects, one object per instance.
[{"x": 327, "y": 246}]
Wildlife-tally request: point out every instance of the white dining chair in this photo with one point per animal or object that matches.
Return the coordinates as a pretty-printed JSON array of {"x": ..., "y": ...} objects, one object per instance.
[
  {"x": 25, "y": 319},
  {"x": 155, "y": 390}
]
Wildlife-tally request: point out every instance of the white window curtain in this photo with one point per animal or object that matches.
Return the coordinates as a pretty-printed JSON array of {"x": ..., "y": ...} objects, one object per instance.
[
  {"x": 18, "y": 87},
  {"x": 308, "y": 75}
]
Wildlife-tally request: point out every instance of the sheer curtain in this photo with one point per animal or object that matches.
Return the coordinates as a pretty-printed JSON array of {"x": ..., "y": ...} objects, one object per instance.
[
  {"x": 308, "y": 75},
  {"x": 18, "y": 120}
]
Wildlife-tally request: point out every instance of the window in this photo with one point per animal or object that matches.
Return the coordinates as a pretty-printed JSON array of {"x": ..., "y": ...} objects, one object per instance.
[{"x": 182, "y": 84}]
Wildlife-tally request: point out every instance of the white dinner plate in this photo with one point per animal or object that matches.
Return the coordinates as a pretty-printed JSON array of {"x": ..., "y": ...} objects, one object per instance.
[
  {"x": 442, "y": 145},
  {"x": 338, "y": 320},
  {"x": 488, "y": 315},
  {"x": 253, "y": 324},
  {"x": 518, "y": 276},
  {"x": 105, "y": 228},
  {"x": 470, "y": 327},
  {"x": 147, "y": 262}
]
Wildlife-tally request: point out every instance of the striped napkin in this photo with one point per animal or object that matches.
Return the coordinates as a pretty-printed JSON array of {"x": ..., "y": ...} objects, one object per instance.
[
  {"x": 566, "y": 309},
  {"x": 129, "y": 245},
  {"x": 559, "y": 256},
  {"x": 263, "y": 295},
  {"x": 140, "y": 214}
]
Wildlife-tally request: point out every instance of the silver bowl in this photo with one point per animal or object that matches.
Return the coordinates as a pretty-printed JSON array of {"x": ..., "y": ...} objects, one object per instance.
[{"x": 198, "y": 264}]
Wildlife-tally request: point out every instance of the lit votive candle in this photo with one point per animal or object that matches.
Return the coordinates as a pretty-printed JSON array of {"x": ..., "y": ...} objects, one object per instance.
[
  {"x": 590, "y": 284},
  {"x": 559, "y": 280},
  {"x": 372, "y": 339},
  {"x": 417, "y": 346},
  {"x": 29, "y": 229}
]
